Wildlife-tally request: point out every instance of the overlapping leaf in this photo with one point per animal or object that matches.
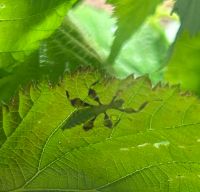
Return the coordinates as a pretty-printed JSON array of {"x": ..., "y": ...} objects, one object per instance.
[
  {"x": 66, "y": 50},
  {"x": 183, "y": 67},
  {"x": 131, "y": 15},
  {"x": 24, "y": 23},
  {"x": 63, "y": 51},
  {"x": 189, "y": 15},
  {"x": 154, "y": 150},
  {"x": 142, "y": 54}
]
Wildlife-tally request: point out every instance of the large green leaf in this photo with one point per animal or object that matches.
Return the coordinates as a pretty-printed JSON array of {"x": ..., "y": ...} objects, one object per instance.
[
  {"x": 131, "y": 14},
  {"x": 156, "y": 149},
  {"x": 65, "y": 50},
  {"x": 24, "y": 23}
]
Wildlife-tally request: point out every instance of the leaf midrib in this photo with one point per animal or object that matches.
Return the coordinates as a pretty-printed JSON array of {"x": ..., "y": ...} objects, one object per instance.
[
  {"x": 98, "y": 189},
  {"x": 102, "y": 141}
]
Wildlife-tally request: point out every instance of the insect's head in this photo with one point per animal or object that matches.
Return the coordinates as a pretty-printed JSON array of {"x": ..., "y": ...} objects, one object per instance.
[{"x": 118, "y": 103}]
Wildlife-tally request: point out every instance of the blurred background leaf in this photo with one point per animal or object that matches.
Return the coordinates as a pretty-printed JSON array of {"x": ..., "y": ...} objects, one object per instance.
[
  {"x": 183, "y": 67},
  {"x": 131, "y": 15},
  {"x": 66, "y": 50},
  {"x": 143, "y": 53},
  {"x": 188, "y": 12},
  {"x": 24, "y": 24}
]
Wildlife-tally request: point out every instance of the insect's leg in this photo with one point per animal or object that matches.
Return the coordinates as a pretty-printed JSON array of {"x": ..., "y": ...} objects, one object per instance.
[
  {"x": 117, "y": 122},
  {"x": 131, "y": 110},
  {"x": 113, "y": 99},
  {"x": 116, "y": 95},
  {"x": 107, "y": 121},
  {"x": 94, "y": 83},
  {"x": 89, "y": 124},
  {"x": 67, "y": 94},
  {"x": 93, "y": 95},
  {"x": 77, "y": 102}
]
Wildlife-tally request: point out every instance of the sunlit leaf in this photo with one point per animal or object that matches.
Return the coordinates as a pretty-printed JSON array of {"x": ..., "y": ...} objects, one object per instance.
[
  {"x": 131, "y": 14},
  {"x": 183, "y": 67},
  {"x": 143, "y": 53},
  {"x": 156, "y": 149},
  {"x": 24, "y": 23},
  {"x": 65, "y": 50}
]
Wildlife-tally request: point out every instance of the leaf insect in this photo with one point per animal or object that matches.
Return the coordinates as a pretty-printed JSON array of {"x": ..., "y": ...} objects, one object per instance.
[{"x": 87, "y": 113}]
